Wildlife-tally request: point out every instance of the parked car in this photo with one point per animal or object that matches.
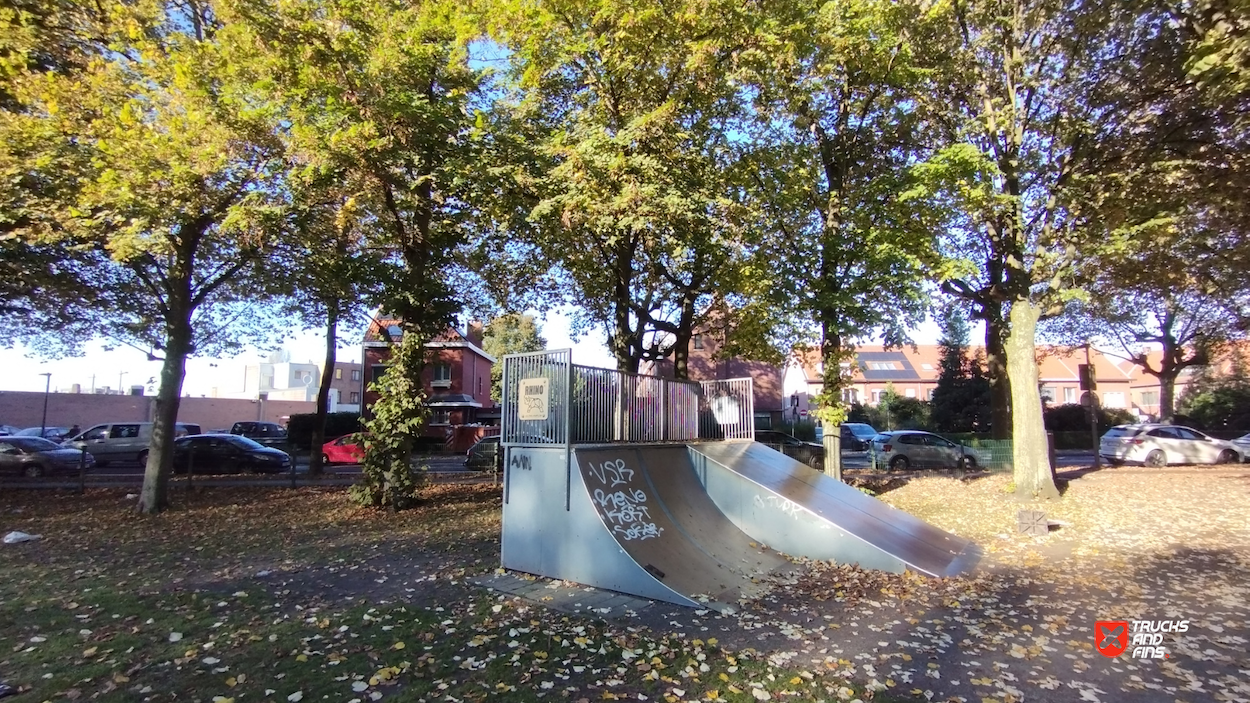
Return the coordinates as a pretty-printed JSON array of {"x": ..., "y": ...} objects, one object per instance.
[
  {"x": 123, "y": 441},
  {"x": 857, "y": 436},
  {"x": 344, "y": 450},
  {"x": 227, "y": 454},
  {"x": 809, "y": 453},
  {"x": 1159, "y": 445},
  {"x": 905, "y": 449},
  {"x": 266, "y": 433},
  {"x": 35, "y": 456},
  {"x": 482, "y": 455},
  {"x": 6, "y": 430},
  {"x": 55, "y": 434}
]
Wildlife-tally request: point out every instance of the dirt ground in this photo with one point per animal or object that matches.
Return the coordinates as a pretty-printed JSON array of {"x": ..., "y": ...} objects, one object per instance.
[{"x": 1171, "y": 544}]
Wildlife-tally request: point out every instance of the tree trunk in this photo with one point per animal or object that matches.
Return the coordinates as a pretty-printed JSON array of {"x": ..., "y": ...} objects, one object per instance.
[
  {"x": 1029, "y": 451},
  {"x": 155, "y": 494},
  {"x": 996, "y": 372},
  {"x": 1167, "y": 394},
  {"x": 323, "y": 393}
]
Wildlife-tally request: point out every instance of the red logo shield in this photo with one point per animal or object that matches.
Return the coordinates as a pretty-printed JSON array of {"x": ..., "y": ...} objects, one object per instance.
[{"x": 1111, "y": 637}]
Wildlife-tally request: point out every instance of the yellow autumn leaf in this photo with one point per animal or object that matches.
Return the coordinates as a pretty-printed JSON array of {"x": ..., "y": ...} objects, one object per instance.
[
  {"x": 397, "y": 645},
  {"x": 796, "y": 681},
  {"x": 232, "y": 682},
  {"x": 301, "y": 658},
  {"x": 90, "y": 652},
  {"x": 711, "y": 641},
  {"x": 724, "y": 677},
  {"x": 713, "y": 695}
]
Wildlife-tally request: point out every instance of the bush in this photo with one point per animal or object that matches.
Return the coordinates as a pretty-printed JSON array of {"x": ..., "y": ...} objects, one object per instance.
[
  {"x": 1072, "y": 418},
  {"x": 801, "y": 429},
  {"x": 300, "y": 428},
  {"x": 1222, "y": 407}
]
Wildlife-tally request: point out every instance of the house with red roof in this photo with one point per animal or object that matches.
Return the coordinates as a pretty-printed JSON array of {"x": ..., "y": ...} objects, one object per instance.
[{"x": 456, "y": 377}]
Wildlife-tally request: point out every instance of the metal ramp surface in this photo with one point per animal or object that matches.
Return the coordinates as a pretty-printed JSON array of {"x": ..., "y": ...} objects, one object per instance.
[
  {"x": 635, "y": 519},
  {"x": 795, "y": 509}
]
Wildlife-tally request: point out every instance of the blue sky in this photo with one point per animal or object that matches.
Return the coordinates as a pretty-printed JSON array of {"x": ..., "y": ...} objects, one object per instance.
[{"x": 102, "y": 367}]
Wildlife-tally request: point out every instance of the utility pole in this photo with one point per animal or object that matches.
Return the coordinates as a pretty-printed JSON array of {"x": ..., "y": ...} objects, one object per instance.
[
  {"x": 120, "y": 374},
  {"x": 47, "y": 387}
]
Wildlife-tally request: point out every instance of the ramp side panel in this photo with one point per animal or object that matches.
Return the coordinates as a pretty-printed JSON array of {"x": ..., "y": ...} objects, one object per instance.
[
  {"x": 541, "y": 537},
  {"x": 631, "y": 495},
  {"x": 671, "y": 473},
  {"x": 895, "y": 533}
]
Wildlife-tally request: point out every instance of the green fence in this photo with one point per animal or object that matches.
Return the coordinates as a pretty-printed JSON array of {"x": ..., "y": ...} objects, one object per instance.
[{"x": 992, "y": 454}]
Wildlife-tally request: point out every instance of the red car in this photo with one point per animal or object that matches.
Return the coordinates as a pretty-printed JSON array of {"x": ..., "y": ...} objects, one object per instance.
[{"x": 344, "y": 450}]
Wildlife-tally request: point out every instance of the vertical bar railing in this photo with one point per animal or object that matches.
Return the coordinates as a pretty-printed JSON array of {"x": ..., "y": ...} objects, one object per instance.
[{"x": 587, "y": 405}]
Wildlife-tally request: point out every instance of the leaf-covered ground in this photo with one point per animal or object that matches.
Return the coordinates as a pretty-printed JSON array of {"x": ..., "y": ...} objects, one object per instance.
[{"x": 272, "y": 595}]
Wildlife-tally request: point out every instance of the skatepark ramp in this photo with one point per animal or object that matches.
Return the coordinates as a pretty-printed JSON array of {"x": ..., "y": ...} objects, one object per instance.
[
  {"x": 797, "y": 510},
  {"x": 614, "y": 481}
]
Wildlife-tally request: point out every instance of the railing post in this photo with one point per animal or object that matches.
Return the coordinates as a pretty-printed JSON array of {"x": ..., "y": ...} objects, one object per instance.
[{"x": 664, "y": 406}]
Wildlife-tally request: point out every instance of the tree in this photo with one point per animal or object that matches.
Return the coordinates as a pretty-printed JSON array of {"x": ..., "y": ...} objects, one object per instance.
[
  {"x": 175, "y": 164},
  {"x": 1047, "y": 126},
  {"x": 634, "y": 102},
  {"x": 382, "y": 94},
  {"x": 330, "y": 275},
  {"x": 833, "y": 155},
  {"x": 960, "y": 401},
  {"x": 511, "y": 333}
]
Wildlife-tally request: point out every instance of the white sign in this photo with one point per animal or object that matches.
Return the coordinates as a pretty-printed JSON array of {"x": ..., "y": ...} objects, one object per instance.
[
  {"x": 725, "y": 410},
  {"x": 534, "y": 400}
]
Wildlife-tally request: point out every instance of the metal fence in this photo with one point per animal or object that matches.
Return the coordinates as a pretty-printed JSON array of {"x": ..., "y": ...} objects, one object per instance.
[{"x": 550, "y": 400}]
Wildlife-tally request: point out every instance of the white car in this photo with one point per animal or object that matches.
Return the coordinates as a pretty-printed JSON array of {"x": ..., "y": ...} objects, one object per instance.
[{"x": 1160, "y": 445}]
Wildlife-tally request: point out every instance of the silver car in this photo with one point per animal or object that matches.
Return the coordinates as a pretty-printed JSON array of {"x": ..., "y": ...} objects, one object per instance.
[
  {"x": 905, "y": 449},
  {"x": 1160, "y": 445}
]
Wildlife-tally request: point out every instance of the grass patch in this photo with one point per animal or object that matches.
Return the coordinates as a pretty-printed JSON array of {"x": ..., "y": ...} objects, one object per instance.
[{"x": 279, "y": 595}]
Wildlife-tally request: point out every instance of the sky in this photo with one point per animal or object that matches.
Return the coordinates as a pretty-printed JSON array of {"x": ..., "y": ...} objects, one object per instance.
[{"x": 98, "y": 367}]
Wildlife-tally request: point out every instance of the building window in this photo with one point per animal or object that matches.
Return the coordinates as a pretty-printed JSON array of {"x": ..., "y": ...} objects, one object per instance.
[
  {"x": 441, "y": 417},
  {"x": 1069, "y": 395},
  {"x": 1048, "y": 395},
  {"x": 850, "y": 395},
  {"x": 697, "y": 341},
  {"x": 355, "y": 398},
  {"x": 877, "y": 396},
  {"x": 1113, "y": 400},
  {"x": 378, "y": 371},
  {"x": 1150, "y": 397},
  {"x": 930, "y": 394},
  {"x": 911, "y": 392},
  {"x": 338, "y": 374},
  {"x": 882, "y": 366},
  {"x": 355, "y": 374}
]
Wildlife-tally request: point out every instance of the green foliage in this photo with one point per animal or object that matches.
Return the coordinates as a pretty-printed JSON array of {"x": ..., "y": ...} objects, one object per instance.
[
  {"x": 1073, "y": 417},
  {"x": 1219, "y": 403},
  {"x": 398, "y": 418},
  {"x": 802, "y": 429},
  {"x": 961, "y": 400},
  {"x": 300, "y": 427},
  {"x": 892, "y": 412},
  {"x": 637, "y": 178},
  {"x": 509, "y": 334}
]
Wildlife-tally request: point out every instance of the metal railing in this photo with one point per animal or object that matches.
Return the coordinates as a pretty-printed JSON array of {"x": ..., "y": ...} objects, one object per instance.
[{"x": 549, "y": 400}]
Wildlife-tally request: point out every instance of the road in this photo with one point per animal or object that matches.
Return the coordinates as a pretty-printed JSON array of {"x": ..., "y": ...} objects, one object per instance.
[{"x": 1065, "y": 460}]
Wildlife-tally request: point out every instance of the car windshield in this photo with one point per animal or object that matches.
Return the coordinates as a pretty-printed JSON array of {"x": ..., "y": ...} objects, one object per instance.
[
  {"x": 860, "y": 429},
  {"x": 242, "y": 442},
  {"x": 1119, "y": 431},
  {"x": 32, "y": 444}
]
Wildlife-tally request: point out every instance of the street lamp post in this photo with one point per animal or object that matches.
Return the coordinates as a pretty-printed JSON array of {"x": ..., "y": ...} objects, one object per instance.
[
  {"x": 47, "y": 387},
  {"x": 120, "y": 375}
]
